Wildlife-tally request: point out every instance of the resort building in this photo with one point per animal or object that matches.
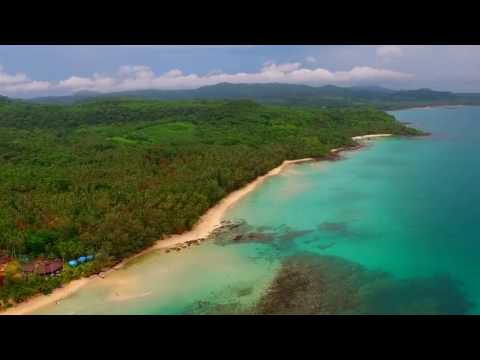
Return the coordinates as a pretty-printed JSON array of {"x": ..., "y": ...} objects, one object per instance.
[{"x": 43, "y": 267}]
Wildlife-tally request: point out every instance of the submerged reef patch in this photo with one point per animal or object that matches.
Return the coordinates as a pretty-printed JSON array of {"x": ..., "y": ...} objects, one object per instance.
[
  {"x": 225, "y": 302},
  {"x": 242, "y": 233},
  {"x": 312, "y": 284},
  {"x": 308, "y": 284}
]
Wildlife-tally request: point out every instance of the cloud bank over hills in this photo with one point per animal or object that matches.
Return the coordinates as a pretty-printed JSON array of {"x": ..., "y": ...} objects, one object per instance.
[
  {"x": 137, "y": 77},
  {"x": 32, "y": 71}
]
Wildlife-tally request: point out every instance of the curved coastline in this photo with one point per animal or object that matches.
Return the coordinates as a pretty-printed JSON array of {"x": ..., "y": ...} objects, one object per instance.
[{"x": 210, "y": 221}]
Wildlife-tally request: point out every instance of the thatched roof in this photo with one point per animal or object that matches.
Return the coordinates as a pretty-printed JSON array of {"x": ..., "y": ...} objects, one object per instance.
[{"x": 43, "y": 267}]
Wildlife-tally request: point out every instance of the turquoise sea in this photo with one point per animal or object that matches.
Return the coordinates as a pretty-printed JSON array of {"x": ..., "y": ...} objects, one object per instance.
[{"x": 390, "y": 229}]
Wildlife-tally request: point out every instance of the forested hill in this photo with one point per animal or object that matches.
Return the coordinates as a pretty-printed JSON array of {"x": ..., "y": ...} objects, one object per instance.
[
  {"x": 111, "y": 177},
  {"x": 287, "y": 94}
]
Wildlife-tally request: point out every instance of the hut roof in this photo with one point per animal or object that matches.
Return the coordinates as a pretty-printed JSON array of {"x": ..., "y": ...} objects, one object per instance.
[{"x": 43, "y": 267}]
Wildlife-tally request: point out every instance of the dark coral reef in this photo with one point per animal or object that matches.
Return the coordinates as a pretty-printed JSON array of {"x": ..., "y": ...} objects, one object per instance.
[
  {"x": 312, "y": 284},
  {"x": 308, "y": 284}
]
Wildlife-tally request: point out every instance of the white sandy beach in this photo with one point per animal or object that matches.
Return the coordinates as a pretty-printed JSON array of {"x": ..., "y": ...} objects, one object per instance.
[
  {"x": 373, "y": 136},
  {"x": 207, "y": 223}
]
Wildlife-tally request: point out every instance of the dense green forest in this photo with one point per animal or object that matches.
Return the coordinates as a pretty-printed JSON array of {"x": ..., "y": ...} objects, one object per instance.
[
  {"x": 111, "y": 177},
  {"x": 290, "y": 94}
]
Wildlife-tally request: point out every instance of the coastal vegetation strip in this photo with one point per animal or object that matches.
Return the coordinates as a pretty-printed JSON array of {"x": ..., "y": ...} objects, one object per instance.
[{"x": 110, "y": 178}]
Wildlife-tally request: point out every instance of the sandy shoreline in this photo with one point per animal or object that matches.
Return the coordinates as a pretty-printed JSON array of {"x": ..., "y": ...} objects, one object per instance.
[
  {"x": 210, "y": 221},
  {"x": 366, "y": 137},
  {"x": 213, "y": 217}
]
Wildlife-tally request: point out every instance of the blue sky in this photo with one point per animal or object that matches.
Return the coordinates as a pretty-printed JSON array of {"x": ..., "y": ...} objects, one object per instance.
[{"x": 27, "y": 71}]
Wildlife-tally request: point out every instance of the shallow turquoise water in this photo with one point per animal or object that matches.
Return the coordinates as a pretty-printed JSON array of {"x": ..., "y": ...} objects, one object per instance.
[{"x": 404, "y": 208}]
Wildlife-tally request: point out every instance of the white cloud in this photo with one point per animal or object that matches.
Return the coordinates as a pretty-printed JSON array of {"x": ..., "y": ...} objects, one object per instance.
[
  {"x": 310, "y": 59},
  {"x": 30, "y": 86},
  {"x": 389, "y": 51},
  {"x": 82, "y": 83},
  {"x": 136, "y": 77},
  {"x": 272, "y": 68},
  {"x": 174, "y": 73},
  {"x": 7, "y": 79},
  {"x": 19, "y": 83}
]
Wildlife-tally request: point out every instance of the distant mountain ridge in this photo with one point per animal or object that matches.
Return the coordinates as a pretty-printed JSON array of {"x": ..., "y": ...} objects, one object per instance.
[
  {"x": 374, "y": 88},
  {"x": 287, "y": 94}
]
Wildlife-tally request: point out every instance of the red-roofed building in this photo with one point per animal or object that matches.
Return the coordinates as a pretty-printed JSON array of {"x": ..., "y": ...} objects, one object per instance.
[{"x": 43, "y": 267}]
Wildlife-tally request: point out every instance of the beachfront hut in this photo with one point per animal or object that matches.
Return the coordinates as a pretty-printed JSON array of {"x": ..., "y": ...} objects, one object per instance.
[{"x": 43, "y": 267}]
